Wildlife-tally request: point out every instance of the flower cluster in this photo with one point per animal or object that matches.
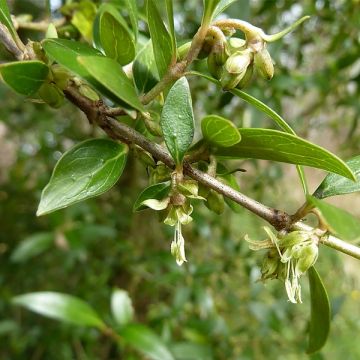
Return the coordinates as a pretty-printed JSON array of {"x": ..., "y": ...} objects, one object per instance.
[{"x": 289, "y": 256}]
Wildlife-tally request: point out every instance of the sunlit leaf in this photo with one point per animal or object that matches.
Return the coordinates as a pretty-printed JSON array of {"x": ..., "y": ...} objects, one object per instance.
[
  {"x": 5, "y": 17},
  {"x": 121, "y": 307},
  {"x": 320, "y": 313},
  {"x": 87, "y": 170},
  {"x": 177, "y": 120},
  {"x": 133, "y": 15},
  {"x": 61, "y": 307}
]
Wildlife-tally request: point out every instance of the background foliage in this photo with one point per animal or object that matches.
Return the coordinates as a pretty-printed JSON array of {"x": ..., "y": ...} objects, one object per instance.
[{"x": 214, "y": 302}]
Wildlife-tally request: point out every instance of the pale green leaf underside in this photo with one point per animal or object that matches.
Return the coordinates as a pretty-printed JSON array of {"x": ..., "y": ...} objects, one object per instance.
[
  {"x": 219, "y": 131},
  {"x": 340, "y": 222},
  {"x": 337, "y": 185},
  {"x": 177, "y": 120},
  {"x": 24, "y": 77},
  {"x": 275, "y": 145},
  {"x": 87, "y": 170},
  {"x": 157, "y": 191},
  {"x": 61, "y": 307},
  {"x": 320, "y": 313}
]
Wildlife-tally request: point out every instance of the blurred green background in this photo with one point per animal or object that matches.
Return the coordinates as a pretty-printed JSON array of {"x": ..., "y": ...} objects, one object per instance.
[{"x": 214, "y": 300}]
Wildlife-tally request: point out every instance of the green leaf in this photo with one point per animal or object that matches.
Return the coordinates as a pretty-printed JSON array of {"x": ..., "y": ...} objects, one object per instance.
[
  {"x": 340, "y": 222},
  {"x": 121, "y": 307},
  {"x": 87, "y": 170},
  {"x": 5, "y": 18},
  {"x": 115, "y": 39},
  {"x": 177, "y": 120},
  {"x": 219, "y": 131},
  {"x": 144, "y": 69},
  {"x": 24, "y": 77},
  {"x": 275, "y": 145},
  {"x": 111, "y": 76},
  {"x": 156, "y": 191},
  {"x": 209, "y": 10},
  {"x": 268, "y": 111},
  {"x": 160, "y": 38},
  {"x": 222, "y": 6},
  {"x": 146, "y": 342},
  {"x": 191, "y": 351},
  {"x": 61, "y": 307},
  {"x": 133, "y": 15},
  {"x": 337, "y": 185},
  {"x": 32, "y": 246},
  {"x": 320, "y": 313},
  {"x": 65, "y": 53},
  {"x": 170, "y": 16},
  {"x": 83, "y": 18}
]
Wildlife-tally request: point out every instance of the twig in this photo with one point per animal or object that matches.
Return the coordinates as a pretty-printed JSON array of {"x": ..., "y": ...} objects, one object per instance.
[{"x": 9, "y": 43}]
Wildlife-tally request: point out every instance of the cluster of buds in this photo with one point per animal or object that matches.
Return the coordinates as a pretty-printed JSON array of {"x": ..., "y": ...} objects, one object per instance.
[
  {"x": 232, "y": 60},
  {"x": 289, "y": 256},
  {"x": 177, "y": 209}
]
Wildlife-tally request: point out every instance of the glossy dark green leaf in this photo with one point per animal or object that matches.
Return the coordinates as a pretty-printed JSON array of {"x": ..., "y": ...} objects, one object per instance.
[
  {"x": 222, "y": 6},
  {"x": 5, "y": 18},
  {"x": 144, "y": 69},
  {"x": 115, "y": 39},
  {"x": 121, "y": 307},
  {"x": 340, "y": 222},
  {"x": 111, "y": 76},
  {"x": 320, "y": 313},
  {"x": 133, "y": 15},
  {"x": 24, "y": 77},
  {"x": 275, "y": 145},
  {"x": 160, "y": 38},
  {"x": 219, "y": 131},
  {"x": 156, "y": 191},
  {"x": 32, "y": 246},
  {"x": 177, "y": 120},
  {"x": 61, "y": 307},
  {"x": 87, "y": 170},
  {"x": 146, "y": 342},
  {"x": 338, "y": 185}
]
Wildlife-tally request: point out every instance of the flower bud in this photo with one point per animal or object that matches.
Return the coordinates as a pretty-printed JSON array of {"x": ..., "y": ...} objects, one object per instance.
[
  {"x": 235, "y": 69},
  {"x": 51, "y": 94},
  {"x": 269, "y": 268},
  {"x": 307, "y": 258},
  {"x": 214, "y": 69},
  {"x": 293, "y": 238},
  {"x": 236, "y": 44},
  {"x": 245, "y": 81},
  {"x": 87, "y": 91},
  {"x": 264, "y": 64},
  {"x": 215, "y": 202},
  {"x": 60, "y": 76}
]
